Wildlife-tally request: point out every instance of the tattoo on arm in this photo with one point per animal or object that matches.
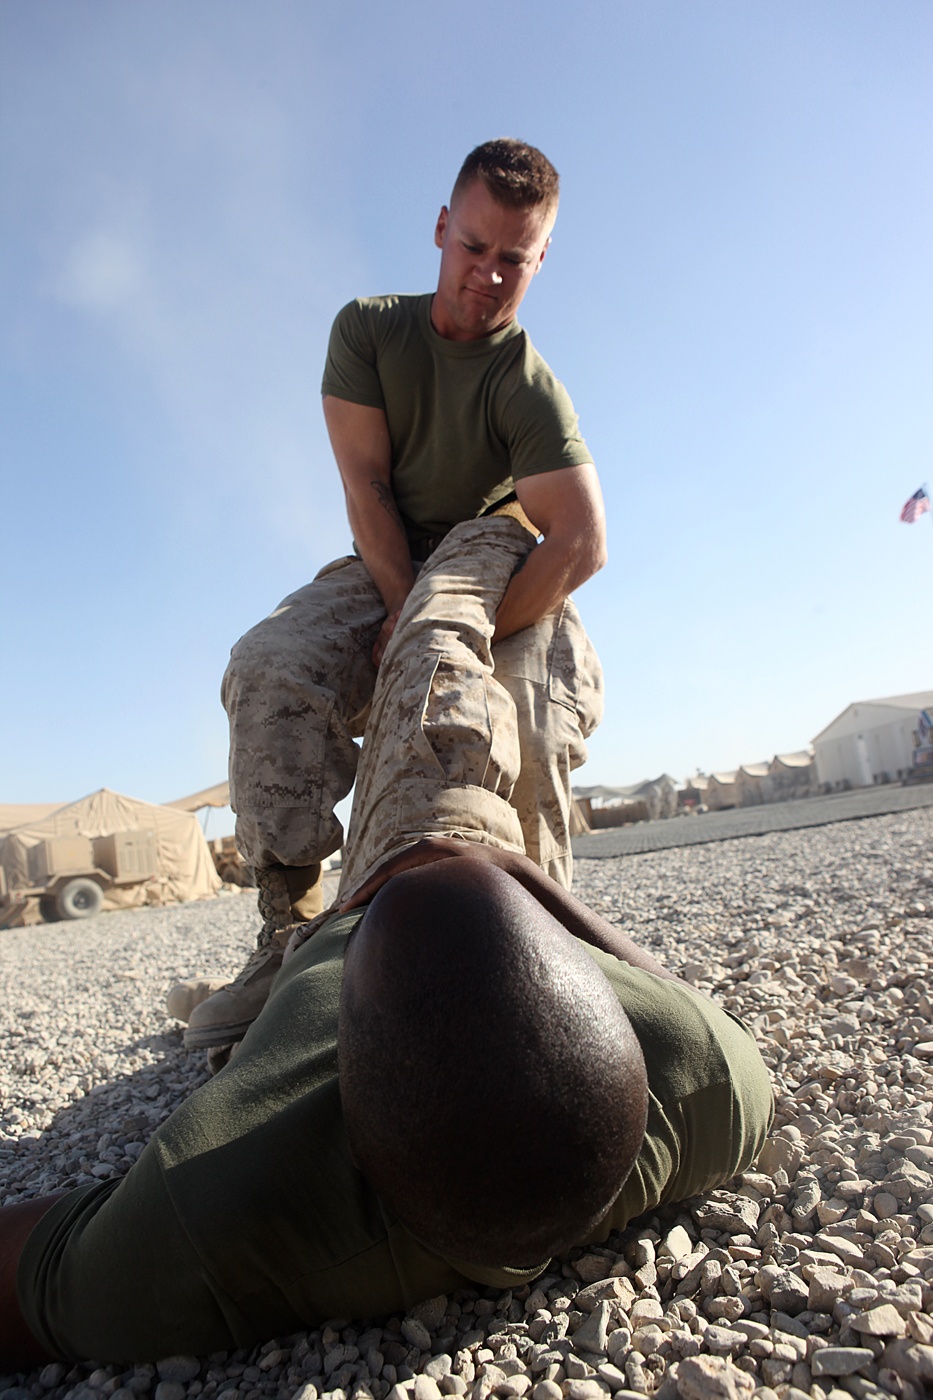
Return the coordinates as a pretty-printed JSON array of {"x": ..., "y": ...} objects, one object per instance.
[{"x": 387, "y": 501}]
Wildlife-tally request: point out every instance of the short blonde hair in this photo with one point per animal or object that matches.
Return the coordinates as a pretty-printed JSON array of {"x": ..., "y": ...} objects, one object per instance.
[{"x": 516, "y": 174}]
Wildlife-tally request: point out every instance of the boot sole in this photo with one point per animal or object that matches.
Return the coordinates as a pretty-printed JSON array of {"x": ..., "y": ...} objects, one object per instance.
[{"x": 215, "y": 1035}]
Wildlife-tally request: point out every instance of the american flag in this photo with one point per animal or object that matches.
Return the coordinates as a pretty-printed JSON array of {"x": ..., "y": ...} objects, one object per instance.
[{"x": 918, "y": 503}]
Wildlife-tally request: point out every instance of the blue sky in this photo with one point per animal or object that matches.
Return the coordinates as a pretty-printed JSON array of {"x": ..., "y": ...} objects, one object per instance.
[{"x": 739, "y": 298}]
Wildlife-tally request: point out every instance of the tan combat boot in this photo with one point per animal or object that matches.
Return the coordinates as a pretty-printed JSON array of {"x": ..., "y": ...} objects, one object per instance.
[
  {"x": 185, "y": 996},
  {"x": 288, "y": 896}
]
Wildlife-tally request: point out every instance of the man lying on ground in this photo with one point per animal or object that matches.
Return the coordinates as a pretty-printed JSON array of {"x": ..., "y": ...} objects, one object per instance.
[{"x": 464, "y": 1073}]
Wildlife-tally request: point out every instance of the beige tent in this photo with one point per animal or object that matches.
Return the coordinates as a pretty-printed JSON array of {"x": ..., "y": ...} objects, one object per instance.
[
  {"x": 615, "y": 806},
  {"x": 720, "y": 791},
  {"x": 752, "y": 784},
  {"x": 792, "y": 775},
  {"x": 216, "y": 796},
  {"x": 185, "y": 868},
  {"x": 14, "y": 814}
]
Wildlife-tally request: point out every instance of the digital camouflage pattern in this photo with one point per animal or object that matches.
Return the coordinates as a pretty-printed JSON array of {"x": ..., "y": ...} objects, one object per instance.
[{"x": 462, "y": 737}]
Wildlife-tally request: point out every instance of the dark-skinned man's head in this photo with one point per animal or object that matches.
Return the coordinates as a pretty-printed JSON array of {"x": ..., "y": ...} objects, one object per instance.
[{"x": 493, "y": 1089}]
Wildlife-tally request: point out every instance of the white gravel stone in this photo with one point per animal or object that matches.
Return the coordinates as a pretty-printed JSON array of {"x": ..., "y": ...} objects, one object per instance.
[
  {"x": 841, "y": 1361},
  {"x": 711, "y": 1378}
]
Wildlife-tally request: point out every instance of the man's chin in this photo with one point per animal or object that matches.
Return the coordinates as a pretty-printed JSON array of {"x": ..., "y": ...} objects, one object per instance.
[{"x": 483, "y": 320}]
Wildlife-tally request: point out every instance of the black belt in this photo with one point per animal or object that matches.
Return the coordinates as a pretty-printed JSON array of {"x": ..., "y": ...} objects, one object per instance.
[{"x": 421, "y": 550}]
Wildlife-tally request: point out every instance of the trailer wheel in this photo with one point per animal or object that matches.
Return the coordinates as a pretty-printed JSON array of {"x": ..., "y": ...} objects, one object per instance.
[
  {"x": 48, "y": 908},
  {"x": 79, "y": 899}
]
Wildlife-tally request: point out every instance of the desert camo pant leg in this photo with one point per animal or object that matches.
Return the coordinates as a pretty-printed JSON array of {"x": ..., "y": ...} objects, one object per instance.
[
  {"x": 553, "y": 674},
  {"x": 297, "y": 691},
  {"x": 441, "y": 753}
]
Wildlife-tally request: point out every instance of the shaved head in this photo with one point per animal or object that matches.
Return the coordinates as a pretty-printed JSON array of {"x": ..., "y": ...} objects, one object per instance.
[{"x": 494, "y": 1091}]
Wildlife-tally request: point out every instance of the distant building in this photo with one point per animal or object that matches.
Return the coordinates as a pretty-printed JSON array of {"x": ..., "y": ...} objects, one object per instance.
[
  {"x": 792, "y": 775},
  {"x": 617, "y": 806},
  {"x": 720, "y": 791},
  {"x": 875, "y": 741},
  {"x": 692, "y": 793},
  {"x": 752, "y": 784}
]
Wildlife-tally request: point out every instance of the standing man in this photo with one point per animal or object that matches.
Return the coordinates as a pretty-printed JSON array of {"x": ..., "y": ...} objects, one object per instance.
[{"x": 440, "y": 411}]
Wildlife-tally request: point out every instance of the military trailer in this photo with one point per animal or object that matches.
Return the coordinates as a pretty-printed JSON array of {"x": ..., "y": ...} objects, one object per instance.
[{"x": 67, "y": 876}]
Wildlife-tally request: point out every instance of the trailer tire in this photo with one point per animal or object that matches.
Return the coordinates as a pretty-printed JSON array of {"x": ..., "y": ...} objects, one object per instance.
[
  {"x": 48, "y": 908},
  {"x": 79, "y": 899}
]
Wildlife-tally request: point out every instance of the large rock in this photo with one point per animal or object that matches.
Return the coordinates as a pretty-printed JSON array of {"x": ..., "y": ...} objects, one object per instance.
[
  {"x": 591, "y": 1335},
  {"x": 883, "y": 1321},
  {"x": 712, "y": 1378},
  {"x": 735, "y": 1214},
  {"x": 841, "y": 1361}
]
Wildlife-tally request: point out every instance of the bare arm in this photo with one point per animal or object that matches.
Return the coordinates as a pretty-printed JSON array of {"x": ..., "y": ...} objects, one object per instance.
[
  {"x": 567, "y": 508},
  {"x": 360, "y": 438},
  {"x": 579, "y": 920}
]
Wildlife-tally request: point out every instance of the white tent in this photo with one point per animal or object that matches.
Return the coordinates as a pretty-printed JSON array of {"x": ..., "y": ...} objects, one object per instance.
[
  {"x": 872, "y": 741},
  {"x": 185, "y": 868}
]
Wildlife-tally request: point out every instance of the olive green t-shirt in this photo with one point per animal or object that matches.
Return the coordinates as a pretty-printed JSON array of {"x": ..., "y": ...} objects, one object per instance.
[
  {"x": 467, "y": 419},
  {"x": 245, "y": 1217}
]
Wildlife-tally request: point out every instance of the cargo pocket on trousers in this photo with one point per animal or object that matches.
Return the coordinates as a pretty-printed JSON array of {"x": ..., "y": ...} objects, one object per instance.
[
  {"x": 468, "y": 724},
  {"x": 575, "y": 676}
]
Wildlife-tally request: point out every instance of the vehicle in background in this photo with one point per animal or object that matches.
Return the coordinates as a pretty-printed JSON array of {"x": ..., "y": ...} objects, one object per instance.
[{"x": 68, "y": 875}]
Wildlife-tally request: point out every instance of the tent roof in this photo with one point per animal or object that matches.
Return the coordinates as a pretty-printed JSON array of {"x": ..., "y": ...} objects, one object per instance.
[
  {"x": 724, "y": 779},
  {"x": 633, "y": 789},
  {"x": 915, "y": 700},
  {"x": 14, "y": 814},
  {"x": 216, "y": 796},
  {"x": 754, "y": 770},
  {"x": 801, "y": 759}
]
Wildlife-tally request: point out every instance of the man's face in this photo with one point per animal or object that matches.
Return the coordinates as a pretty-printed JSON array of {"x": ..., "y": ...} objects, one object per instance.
[{"x": 489, "y": 254}]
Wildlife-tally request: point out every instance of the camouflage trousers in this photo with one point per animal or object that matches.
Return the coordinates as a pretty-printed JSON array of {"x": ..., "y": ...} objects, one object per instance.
[{"x": 459, "y": 737}]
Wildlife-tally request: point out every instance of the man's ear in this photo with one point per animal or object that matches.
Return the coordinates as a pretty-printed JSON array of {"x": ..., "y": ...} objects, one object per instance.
[
  {"x": 541, "y": 255},
  {"x": 440, "y": 227}
]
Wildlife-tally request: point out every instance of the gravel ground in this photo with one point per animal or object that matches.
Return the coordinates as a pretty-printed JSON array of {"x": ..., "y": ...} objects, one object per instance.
[{"x": 810, "y": 1274}]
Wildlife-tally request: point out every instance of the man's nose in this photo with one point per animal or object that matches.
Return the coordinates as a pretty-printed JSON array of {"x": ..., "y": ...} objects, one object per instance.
[{"x": 486, "y": 267}]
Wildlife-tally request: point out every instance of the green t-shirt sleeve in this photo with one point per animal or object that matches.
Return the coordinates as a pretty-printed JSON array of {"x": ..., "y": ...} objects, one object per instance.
[
  {"x": 350, "y": 371},
  {"x": 539, "y": 424},
  {"x": 710, "y": 1099}
]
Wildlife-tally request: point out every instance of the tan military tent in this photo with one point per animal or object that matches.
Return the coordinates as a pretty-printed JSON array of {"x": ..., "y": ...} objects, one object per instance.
[
  {"x": 752, "y": 784},
  {"x": 185, "y": 868},
  {"x": 720, "y": 791},
  {"x": 792, "y": 775},
  {"x": 216, "y": 796},
  {"x": 14, "y": 814}
]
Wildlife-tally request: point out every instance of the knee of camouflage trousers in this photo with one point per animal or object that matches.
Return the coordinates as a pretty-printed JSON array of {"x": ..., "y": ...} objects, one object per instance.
[
  {"x": 297, "y": 692},
  {"x": 299, "y": 685},
  {"x": 442, "y": 751}
]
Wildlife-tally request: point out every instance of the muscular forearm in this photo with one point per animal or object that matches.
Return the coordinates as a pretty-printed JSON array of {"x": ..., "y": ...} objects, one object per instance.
[
  {"x": 380, "y": 538},
  {"x": 363, "y": 451},
  {"x": 566, "y": 507},
  {"x": 551, "y": 572}
]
